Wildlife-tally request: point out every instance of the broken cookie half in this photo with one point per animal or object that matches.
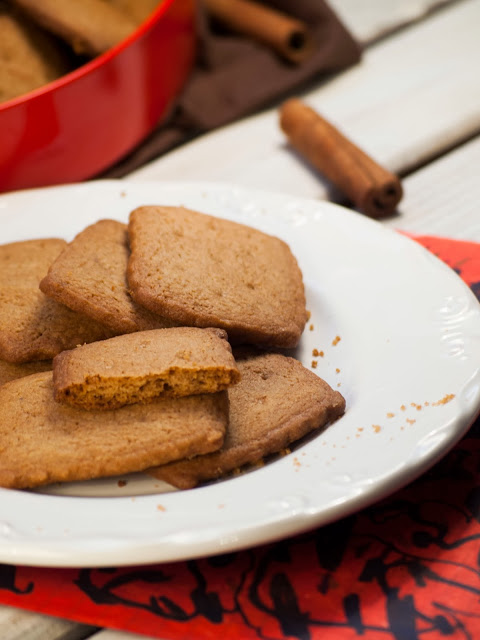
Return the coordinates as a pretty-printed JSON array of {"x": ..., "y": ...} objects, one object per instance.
[{"x": 139, "y": 367}]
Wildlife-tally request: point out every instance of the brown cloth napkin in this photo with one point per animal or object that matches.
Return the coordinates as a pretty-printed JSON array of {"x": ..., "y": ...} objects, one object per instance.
[{"x": 233, "y": 77}]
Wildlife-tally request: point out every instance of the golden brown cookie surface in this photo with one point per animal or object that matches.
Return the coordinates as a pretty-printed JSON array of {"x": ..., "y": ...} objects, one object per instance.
[
  {"x": 276, "y": 402},
  {"x": 89, "y": 276},
  {"x": 10, "y": 371},
  {"x": 200, "y": 270},
  {"x": 33, "y": 327},
  {"x": 91, "y": 26},
  {"x": 29, "y": 58},
  {"x": 43, "y": 441},
  {"x": 138, "y": 10},
  {"x": 138, "y": 367}
]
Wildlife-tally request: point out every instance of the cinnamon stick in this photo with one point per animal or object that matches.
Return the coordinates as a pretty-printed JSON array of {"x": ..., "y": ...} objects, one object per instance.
[
  {"x": 373, "y": 189},
  {"x": 286, "y": 35}
]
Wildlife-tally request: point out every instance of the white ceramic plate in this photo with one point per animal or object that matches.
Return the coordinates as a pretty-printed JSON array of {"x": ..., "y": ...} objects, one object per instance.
[{"x": 400, "y": 336}]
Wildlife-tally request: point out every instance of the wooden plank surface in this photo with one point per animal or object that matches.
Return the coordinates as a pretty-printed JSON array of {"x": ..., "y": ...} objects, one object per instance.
[
  {"x": 18, "y": 624},
  {"x": 108, "y": 634},
  {"x": 369, "y": 20},
  {"x": 443, "y": 198}
]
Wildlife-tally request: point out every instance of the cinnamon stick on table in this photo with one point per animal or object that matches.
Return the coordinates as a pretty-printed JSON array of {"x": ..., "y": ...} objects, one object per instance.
[
  {"x": 289, "y": 37},
  {"x": 373, "y": 189}
]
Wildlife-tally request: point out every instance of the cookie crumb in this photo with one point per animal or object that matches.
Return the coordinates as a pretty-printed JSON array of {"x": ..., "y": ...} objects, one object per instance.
[{"x": 445, "y": 400}]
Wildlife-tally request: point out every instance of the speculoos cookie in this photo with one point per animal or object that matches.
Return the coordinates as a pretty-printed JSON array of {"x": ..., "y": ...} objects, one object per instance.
[
  {"x": 43, "y": 441},
  {"x": 138, "y": 367},
  {"x": 10, "y": 371},
  {"x": 276, "y": 402},
  {"x": 90, "y": 27},
  {"x": 89, "y": 276},
  {"x": 204, "y": 271},
  {"x": 138, "y": 10},
  {"x": 29, "y": 57},
  {"x": 33, "y": 327}
]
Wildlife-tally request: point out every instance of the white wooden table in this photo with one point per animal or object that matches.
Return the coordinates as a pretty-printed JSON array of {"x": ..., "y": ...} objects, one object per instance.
[{"x": 413, "y": 103}]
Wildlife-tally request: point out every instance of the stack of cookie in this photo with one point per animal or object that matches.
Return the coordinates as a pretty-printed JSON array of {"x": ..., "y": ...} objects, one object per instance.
[
  {"x": 41, "y": 41},
  {"x": 139, "y": 320}
]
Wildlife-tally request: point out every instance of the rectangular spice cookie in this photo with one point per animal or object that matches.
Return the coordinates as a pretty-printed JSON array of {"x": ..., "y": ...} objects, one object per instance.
[
  {"x": 138, "y": 367},
  {"x": 90, "y": 277},
  {"x": 138, "y": 10},
  {"x": 91, "y": 27},
  {"x": 276, "y": 402},
  {"x": 43, "y": 441},
  {"x": 29, "y": 57},
  {"x": 33, "y": 327},
  {"x": 204, "y": 271}
]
